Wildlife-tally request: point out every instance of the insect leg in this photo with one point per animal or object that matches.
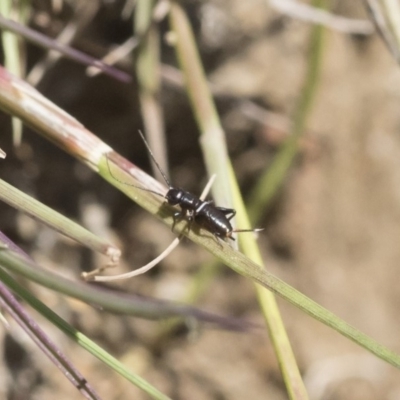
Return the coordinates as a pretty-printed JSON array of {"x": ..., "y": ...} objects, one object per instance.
[
  {"x": 203, "y": 195},
  {"x": 229, "y": 212},
  {"x": 219, "y": 238},
  {"x": 177, "y": 217}
]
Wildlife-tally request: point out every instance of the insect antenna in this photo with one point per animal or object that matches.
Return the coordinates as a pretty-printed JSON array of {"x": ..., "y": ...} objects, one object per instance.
[
  {"x": 130, "y": 184},
  {"x": 154, "y": 159},
  {"x": 248, "y": 230}
]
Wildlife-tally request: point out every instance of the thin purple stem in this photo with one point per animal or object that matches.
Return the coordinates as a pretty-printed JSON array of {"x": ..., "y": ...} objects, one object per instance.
[
  {"x": 29, "y": 325},
  {"x": 48, "y": 43}
]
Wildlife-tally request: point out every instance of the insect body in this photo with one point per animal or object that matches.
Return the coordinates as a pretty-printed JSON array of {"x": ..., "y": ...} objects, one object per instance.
[
  {"x": 208, "y": 216},
  {"x": 217, "y": 220}
]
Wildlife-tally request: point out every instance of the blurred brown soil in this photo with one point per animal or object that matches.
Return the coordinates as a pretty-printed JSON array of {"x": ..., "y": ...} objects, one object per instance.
[{"x": 334, "y": 232}]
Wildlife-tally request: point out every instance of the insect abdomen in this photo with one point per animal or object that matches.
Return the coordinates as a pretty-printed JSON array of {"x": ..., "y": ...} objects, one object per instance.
[{"x": 214, "y": 221}]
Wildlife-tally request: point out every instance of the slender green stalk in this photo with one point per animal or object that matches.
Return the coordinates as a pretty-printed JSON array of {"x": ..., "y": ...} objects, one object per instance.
[
  {"x": 212, "y": 138},
  {"x": 226, "y": 189},
  {"x": 108, "y": 300},
  {"x": 273, "y": 178},
  {"x": 56, "y": 221},
  {"x": 147, "y": 64},
  {"x": 13, "y": 57}
]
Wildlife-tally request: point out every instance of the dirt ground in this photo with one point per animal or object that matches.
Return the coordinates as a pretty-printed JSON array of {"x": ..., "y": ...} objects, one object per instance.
[{"x": 333, "y": 233}]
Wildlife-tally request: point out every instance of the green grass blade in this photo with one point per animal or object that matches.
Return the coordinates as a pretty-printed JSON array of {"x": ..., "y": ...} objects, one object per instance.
[
  {"x": 109, "y": 300},
  {"x": 147, "y": 65},
  {"x": 217, "y": 161},
  {"x": 80, "y": 338},
  {"x": 274, "y": 176},
  {"x": 56, "y": 221},
  {"x": 12, "y": 61}
]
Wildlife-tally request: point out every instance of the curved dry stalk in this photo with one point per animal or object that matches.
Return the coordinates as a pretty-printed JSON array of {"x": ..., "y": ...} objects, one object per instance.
[
  {"x": 139, "y": 271},
  {"x": 153, "y": 263}
]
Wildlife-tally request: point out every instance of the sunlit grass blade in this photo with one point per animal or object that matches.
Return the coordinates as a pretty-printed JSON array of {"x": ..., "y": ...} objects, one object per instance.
[
  {"x": 57, "y": 221},
  {"x": 227, "y": 191},
  {"x": 13, "y": 59},
  {"x": 147, "y": 65},
  {"x": 272, "y": 179}
]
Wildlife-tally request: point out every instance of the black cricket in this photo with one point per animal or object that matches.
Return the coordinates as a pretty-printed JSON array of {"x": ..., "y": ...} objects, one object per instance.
[{"x": 214, "y": 219}]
